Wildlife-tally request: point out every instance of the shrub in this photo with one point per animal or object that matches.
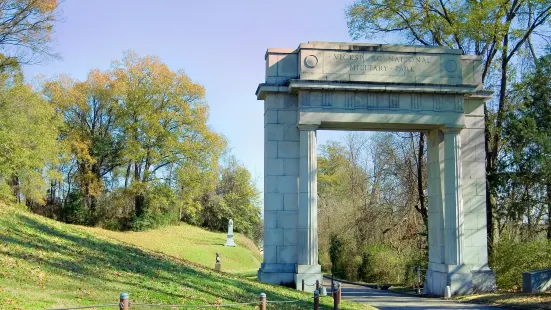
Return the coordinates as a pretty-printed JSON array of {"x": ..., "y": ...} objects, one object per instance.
[
  {"x": 415, "y": 259},
  {"x": 344, "y": 261},
  {"x": 337, "y": 255},
  {"x": 381, "y": 264},
  {"x": 511, "y": 258},
  {"x": 161, "y": 209},
  {"x": 115, "y": 210},
  {"x": 74, "y": 211}
]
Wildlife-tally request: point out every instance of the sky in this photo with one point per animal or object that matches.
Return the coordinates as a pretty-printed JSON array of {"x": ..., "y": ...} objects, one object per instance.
[{"x": 220, "y": 44}]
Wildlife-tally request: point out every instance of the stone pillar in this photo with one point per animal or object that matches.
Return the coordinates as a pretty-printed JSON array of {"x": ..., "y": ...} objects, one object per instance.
[
  {"x": 473, "y": 155},
  {"x": 281, "y": 171},
  {"x": 446, "y": 215},
  {"x": 453, "y": 198},
  {"x": 307, "y": 267},
  {"x": 458, "y": 274},
  {"x": 436, "y": 278}
]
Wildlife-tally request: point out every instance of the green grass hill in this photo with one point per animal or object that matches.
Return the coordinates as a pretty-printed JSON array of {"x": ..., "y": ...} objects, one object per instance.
[
  {"x": 47, "y": 264},
  {"x": 192, "y": 244}
]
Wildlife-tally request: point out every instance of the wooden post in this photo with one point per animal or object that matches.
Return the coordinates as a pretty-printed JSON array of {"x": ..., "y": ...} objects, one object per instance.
[
  {"x": 123, "y": 305},
  {"x": 335, "y": 293},
  {"x": 317, "y": 285},
  {"x": 339, "y": 291},
  {"x": 335, "y": 302},
  {"x": 262, "y": 301},
  {"x": 303, "y": 285},
  {"x": 316, "y": 300}
]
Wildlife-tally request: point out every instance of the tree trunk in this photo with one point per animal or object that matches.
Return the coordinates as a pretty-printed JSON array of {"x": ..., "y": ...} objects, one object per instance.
[
  {"x": 422, "y": 207},
  {"x": 139, "y": 205},
  {"x": 94, "y": 196},
  {"x": 127, "y": 176},
  {"x": 139, "y": 198},
  {"x": 14, "y": 184},
  {"x": 493, "y": 149},
  {"x": 52, "y": 194},
  {"x": 489, "y": 174}
]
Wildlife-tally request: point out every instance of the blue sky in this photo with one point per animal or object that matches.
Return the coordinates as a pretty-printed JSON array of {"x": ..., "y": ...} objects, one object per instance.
[{"x": 220, "y": 44}]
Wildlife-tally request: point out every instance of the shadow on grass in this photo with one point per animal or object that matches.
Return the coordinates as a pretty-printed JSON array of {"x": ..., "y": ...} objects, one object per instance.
[{"x": 94, "y": 259}]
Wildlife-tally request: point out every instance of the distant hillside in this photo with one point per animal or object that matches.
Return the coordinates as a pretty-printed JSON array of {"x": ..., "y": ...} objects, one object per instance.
[{"x": 47, "y": 264}]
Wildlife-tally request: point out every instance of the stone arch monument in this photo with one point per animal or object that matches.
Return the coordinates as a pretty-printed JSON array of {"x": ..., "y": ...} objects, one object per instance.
[{"x": 349, "y": 86}]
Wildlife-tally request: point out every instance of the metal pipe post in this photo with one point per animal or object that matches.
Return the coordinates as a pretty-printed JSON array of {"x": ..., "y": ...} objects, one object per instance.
[
  {"x": 124, "y": 303},
  {"x": 262, "y": 301},
  {"x": 316, "y": 300}
]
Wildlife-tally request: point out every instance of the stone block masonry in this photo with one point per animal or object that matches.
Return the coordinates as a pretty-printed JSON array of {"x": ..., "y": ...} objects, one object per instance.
[{"x": 347, "y": 86}]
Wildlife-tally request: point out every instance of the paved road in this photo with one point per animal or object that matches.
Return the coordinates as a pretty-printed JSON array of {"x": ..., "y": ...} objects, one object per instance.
[{"x": 385, "y": 300}]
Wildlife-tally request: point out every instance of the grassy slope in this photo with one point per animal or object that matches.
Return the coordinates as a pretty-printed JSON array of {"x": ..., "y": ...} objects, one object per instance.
[
  {"x": 192, "y": 244},
  {"x": 45, "y": 264}
]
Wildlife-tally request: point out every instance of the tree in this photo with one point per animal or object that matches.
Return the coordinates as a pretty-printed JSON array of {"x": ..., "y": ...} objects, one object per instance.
[
  {"x": 92, "y": 132},
  {"x": 28, "y": 144},
  {"x": 26, "y": 28},
  {"x": 368, "y": 187},
  {"x": 163, "y": 120},
  {"x": 525, "y": 177},
  {"x": 136, "y": 131},
  {"x": 496, "y": 30},
  {"x": 236, "y": 198}
]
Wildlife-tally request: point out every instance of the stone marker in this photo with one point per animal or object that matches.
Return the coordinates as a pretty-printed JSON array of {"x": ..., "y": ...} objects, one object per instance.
[
  {"x": 536, "y": 281},
  {"x": 230, "y": 241},
  {"x": 218, "y": 265}
]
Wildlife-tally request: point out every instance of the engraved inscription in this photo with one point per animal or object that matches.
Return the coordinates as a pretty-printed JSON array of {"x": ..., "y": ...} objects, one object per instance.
[
  {"x": 382, "y": 63},
  {"x": 383, "y": 66}
]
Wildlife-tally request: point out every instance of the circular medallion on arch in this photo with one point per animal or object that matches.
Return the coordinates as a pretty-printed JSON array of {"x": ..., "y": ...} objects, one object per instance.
[
  {"x": 451, "y": 65},
  {"x": 310, "y": 61}
]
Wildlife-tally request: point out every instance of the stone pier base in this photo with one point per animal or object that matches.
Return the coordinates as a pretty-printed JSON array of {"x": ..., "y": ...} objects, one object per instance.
[
  {"x": 280, "y": 274},
  {"x": 462, "y": 279},
  {"x": 310, "y": 273}
]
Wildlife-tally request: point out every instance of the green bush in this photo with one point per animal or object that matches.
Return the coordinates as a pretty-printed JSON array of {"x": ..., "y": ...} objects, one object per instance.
[
  {"x": 75, "y": 211},
  {"x": 115, "y": 210},
  {"x": 337, "y": 255},
  {"x": 161, "y": 209},
  {"x": 511, "y": 258},
  {"x": 381, "y": 264},
  {"x": 415, "y": 259},
  {"x": 374, "y": 263}
]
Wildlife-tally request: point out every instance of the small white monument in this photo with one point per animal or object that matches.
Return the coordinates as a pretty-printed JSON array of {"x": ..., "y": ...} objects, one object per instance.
[{"x": 230, "y": 241}]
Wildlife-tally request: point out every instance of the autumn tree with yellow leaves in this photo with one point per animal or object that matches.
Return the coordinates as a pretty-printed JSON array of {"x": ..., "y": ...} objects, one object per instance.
[
  {"x": 26, "y": 28},
  {"x": 139, "y": 140}
]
